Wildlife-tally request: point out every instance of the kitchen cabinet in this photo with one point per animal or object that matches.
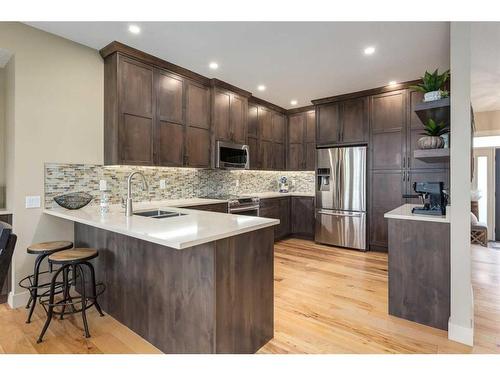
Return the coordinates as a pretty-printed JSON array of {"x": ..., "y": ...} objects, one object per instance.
[
  {"x": 277, "y": 208},
  {"x": 154, "y": 116},
  {"x": 214, "y": 207},
  {"x": 266, "y": 136},
  {"x": 342, "y": 122},
  {"x": 302, "y": 141},
  {"x": 302, "y": 216},
  {"x": 229, "y": 115}
]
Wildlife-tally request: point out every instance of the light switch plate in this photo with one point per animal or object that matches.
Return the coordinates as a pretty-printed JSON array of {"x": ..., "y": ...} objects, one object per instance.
[
  {"x": 33, "y": 201},
  {"x": 163, "y": 184}
]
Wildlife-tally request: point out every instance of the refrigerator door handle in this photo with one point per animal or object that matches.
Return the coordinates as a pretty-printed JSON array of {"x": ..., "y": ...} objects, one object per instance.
[{"x": 336, "y": 213}]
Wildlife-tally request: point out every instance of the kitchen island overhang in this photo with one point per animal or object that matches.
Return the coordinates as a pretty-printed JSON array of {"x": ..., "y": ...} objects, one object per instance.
[{"x": 212, "y": 297}]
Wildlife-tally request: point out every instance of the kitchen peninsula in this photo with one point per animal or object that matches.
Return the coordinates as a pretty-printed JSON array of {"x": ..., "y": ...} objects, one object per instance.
[{"x": 199, "y": 282}]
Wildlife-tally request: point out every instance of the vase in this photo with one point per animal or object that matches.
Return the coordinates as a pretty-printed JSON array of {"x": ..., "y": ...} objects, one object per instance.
[
  {"x": 432, "y": 95},
  {"x": 429, "y": 142}
]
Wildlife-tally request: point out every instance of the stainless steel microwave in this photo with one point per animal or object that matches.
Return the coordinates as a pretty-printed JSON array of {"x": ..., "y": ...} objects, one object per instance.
[{"x": 232, "y": 156}]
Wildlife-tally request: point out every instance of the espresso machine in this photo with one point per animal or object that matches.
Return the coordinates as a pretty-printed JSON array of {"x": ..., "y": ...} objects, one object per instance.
[{"x": 433, "y": 197}]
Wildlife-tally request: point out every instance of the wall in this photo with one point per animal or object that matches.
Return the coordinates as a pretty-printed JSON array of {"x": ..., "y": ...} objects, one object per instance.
[
  {"x": 180, "y": 182},
  {"x": 55, "y": 114},
  {"x": 461, "y": 323},
  {"x": 487, "y": 123},
  {"x": 2, "y": 136}
]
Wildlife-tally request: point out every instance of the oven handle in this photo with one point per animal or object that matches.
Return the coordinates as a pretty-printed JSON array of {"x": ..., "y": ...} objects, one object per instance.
[{"x": 246, "y": 208}]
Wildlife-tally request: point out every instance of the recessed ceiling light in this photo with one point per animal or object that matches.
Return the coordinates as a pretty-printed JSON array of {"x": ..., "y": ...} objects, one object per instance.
[
  {"x": 369, "y": 50},
  {"x": 261, "y": 88},
  {"x": 392, "y": 83},
  {"x": 293, "y": 102},
  {"x": 134, "y": 29},
  {"x": 213, "y": 65}
]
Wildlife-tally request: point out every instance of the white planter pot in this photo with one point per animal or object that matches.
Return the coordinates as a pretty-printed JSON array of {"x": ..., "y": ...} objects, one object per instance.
[
  {"x": 427, "y": 142},
  {"x": 432, "y": 95}
]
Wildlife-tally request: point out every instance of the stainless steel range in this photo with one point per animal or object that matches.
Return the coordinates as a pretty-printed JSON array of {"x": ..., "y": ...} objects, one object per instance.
[{"x": 241, "y": 205}]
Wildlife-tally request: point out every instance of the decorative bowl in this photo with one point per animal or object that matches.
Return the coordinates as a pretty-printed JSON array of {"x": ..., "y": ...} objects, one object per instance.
[
  {"x": 428, "y": 142},
  {"x": 73, "y": 201}
]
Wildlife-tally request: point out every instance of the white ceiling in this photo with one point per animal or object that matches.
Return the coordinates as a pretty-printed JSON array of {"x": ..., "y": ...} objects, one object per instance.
[
  {"x": 485, "y": 66},
  {"x": 295, "y": 60}
]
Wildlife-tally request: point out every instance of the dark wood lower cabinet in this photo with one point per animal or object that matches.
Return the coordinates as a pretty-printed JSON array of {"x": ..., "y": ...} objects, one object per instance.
[
  {"x": 302, "y": 216},
  {"x": 216, "y": 207},
  {"x": 212, "y": 298},
  {"x": 419, "y": 271},
  {"x": 296, "y": 215}
]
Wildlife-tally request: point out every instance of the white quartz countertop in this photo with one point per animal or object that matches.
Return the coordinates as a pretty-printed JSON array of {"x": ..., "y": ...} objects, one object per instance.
[
  {"x": 275, "y": 194},
  {"x": 404, "y": 213},
  {"x": 5, "y": 212},
  {"x": 180, "y": 232}
]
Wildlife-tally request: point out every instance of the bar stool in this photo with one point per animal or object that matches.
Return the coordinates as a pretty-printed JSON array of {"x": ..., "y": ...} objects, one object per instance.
[
  {"x": 75, "y": 259},
  {"x": 42, "y": 250}
]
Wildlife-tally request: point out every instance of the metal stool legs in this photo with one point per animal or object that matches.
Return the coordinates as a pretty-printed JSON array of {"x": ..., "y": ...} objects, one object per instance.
[
  {"x": 34, "y": 290},
  {"x": 94, "y": 287},
  {"x": 51, "y": 303}
]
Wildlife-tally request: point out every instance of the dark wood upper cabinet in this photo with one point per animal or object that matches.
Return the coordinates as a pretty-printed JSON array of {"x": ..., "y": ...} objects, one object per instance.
[
  {"x": 230, "y": 111},
  {"x": 153, "y": 116},
  {"x": 329, "y": 125},
  {"x": 354, "y": 121},
  {"x": 302, "y": 141},
  {"x": 388, "y": 111},
  {"x": 265, "y": 124},
  {"x": 278, "y": 125},
  {"x": 253, "y": 120}
]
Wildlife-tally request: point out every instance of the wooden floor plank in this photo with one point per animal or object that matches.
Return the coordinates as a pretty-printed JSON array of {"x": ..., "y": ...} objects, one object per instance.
[{"x": 327, "y": 300}]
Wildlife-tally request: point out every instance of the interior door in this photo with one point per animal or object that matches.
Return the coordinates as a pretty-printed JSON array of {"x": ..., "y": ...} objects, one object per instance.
[{"x": 484, "y": 181}]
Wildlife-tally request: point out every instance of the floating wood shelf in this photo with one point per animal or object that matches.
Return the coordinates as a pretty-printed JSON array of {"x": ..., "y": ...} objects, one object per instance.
[
  {"x": 438, "y": 110},
  {"x": 437, "y": 155}
]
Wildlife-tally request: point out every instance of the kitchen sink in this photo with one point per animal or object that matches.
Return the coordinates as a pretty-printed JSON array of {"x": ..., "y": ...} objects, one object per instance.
[{"x": 158, "y": 214}]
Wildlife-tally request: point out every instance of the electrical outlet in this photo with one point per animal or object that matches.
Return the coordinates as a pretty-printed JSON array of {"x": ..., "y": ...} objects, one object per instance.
[
  {"x": 103, "y": 185},
  {"x": 33, "y": 201},
  {"x": 163, "y": 184}
]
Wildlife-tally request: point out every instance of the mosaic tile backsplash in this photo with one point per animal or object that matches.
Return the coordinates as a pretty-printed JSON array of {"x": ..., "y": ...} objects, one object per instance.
[{"x": 180, "y": 182}]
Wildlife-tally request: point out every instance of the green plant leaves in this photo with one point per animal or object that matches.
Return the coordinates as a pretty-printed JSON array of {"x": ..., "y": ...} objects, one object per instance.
[
  {"x": 432, "y": 129},
  {"x": 432, "y": 81}
]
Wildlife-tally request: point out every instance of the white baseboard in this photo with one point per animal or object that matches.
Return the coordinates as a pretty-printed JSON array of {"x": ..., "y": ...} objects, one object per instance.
[
  {"x": 463, "y": 335},
  {"x": 18, "y": 300}
]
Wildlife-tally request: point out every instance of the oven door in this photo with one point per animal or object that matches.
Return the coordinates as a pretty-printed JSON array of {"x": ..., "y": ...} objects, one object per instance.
[{"x": 232, "y": 156}]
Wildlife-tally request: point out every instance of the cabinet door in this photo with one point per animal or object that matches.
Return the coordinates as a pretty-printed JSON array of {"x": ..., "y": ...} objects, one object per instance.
[
  {"x": 310, "y": 126},
  {"x": 169, "y": 133},
  {"x": 265, "y": 124},
  {"x": 295, "y": 156},
  {"x": 302, "y": 216},
  {"x": 266, "y": 154},
  {"x": 328, "y": 130},
  {"x": 310, "y": 156},
  {"x": 197, "y": 105},
  {"x": 388, "y": 136},
  {"x": 222, "y": 117},
  {"x": 197, "y": 147},
  {"x": 278, "y": 156},
  {"x": 135, "y": 131},
  {"x": 283, "y": 228},
  {"x": 252, "y": 121},
  {"x": 238, "y": 119},
  {"x": 253, "y": 148},
  {"x": 296, "y": 128},
  {"x": 387, "y": 189},
  {"x": 278, "y": 121},
  {"x": 355, "y": 120}
]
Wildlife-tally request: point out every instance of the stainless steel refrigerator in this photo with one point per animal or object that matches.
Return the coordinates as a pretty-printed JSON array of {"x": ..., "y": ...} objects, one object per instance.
[{"x": 341, "y": 196}]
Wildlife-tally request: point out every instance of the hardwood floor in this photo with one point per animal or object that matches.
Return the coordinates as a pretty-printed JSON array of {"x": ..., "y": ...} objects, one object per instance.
[{"x": 327, "y": 300}]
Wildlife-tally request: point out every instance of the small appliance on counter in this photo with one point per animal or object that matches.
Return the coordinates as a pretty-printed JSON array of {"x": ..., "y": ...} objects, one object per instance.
[
  {"x": 283, "y": 184},
  {"x": 433, "y": 197}
]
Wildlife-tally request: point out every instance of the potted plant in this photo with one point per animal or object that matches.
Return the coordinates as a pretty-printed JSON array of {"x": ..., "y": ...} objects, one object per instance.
[
  {"x": 432, "y": 135},
  {"x": 433, "y": 85}
]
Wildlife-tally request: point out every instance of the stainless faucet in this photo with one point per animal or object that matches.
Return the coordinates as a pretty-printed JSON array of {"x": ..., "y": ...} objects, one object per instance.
[{"x": 129, "y": 211}]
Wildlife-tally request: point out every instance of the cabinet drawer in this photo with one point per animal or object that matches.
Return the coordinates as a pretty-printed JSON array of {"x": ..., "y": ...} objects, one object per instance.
[{"x": 270, "y": 202}]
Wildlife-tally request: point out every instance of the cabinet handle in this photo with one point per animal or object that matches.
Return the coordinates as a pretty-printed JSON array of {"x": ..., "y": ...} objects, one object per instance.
[
  {"x": 404, "y": 176},
  {"x": 408, "y": 163},
  {"x": 404, "y": 161}
]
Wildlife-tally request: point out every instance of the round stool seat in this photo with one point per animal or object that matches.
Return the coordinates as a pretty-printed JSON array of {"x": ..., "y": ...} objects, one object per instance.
[
  {"x": 75, "y": 255},
  {"x": 49, "y": 247}
]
